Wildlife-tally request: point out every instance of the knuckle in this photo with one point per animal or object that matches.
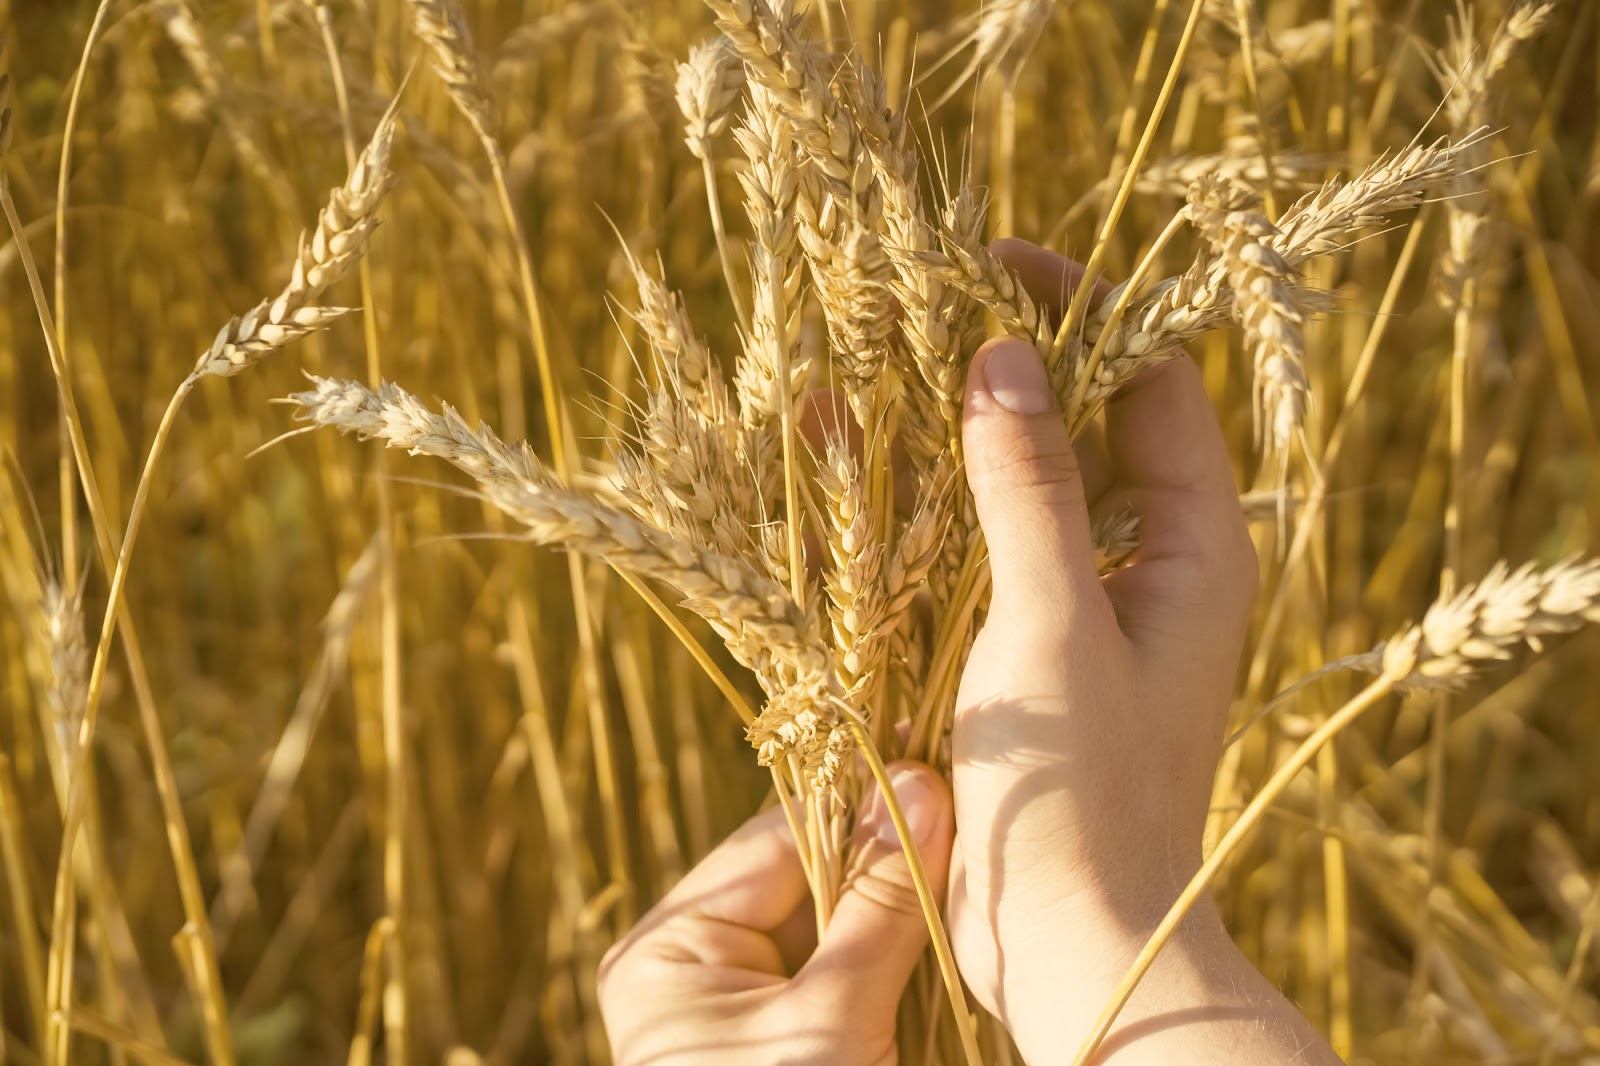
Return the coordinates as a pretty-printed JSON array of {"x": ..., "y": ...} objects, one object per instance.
[
  {"x": 892, "y": 892},
  {"x": 1037, "y": 461}
]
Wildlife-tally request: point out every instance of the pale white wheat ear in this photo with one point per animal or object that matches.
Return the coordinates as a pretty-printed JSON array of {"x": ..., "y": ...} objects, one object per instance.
[
  {"x": 1002, "y": 35},
  {"x": 1115, "y": 537},
  {"x": 61, "y": 624},
  {"x": 1480, "y": 625},
  {"x": 709, "y": 83},
  {"x": 326, "y": 254}
]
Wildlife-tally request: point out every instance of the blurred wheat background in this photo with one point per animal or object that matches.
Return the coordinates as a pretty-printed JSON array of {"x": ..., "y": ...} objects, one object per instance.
[{"x": 373, "y": 794}]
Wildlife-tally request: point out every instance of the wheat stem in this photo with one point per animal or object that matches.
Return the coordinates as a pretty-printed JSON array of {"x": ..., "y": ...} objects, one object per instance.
[
  {"x": 1078, "y": 418},
  {"x": 1072, "y": 321},
  {"x": 69, "y": 495},
  {"x": 919, "y": 877},
  {"x": 1247, "y": 57},
  {"x": 19, "y": 890},
  {"x": 719, "y": 231}
]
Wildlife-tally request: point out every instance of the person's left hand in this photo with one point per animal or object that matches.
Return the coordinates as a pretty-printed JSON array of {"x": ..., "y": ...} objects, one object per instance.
[{"x": 727, "y": 968}]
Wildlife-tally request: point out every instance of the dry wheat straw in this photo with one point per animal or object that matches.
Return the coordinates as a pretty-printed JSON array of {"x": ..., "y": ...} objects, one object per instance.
[{"x": 289, "y": 754}]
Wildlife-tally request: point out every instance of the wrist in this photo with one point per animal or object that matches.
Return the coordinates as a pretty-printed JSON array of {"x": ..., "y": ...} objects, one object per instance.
[{"x": 1057, "y": 986}]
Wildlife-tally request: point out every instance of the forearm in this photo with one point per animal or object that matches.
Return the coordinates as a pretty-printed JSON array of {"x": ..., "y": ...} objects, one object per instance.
[{"x": 1202, "y": 1003}]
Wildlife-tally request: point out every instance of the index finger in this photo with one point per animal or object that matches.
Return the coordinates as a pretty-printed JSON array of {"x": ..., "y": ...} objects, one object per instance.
[
  {"x": 1049, "y": 278},
  {"x": 753, "y": 880},
  {"x": 1170, "y": 460}
]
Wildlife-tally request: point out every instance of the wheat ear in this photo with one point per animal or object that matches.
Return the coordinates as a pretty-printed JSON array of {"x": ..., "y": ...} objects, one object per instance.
[
  {"x": 761, "y": 624},
  {"x": 343, "y": 229}
]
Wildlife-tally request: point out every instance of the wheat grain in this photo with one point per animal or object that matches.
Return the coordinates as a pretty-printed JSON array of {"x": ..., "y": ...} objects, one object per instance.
[
  {"x": 67, "y": 655},
  {"x": 851, "y": 275},
  {"x": 795, "y": 74},
  {"x": 1183, "y": 308},
  {"x": 854, "y": 580},
  {"x": 1115, "y": 536},
  {"x": 989, "y": 282},
  {"x": 684, "y": 361},
  {"x": 771, "y": 377}
]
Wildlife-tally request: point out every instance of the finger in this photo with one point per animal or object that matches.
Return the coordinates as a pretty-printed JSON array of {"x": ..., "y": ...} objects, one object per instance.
[
  {"x": 753, "y": 879},
  {"x": 1171, "y": 462},
  {"x": 824, "y": 417},
  {"x": 1049, "y": 278},
  {"x": 878, "y": 931},
  {"x": 1026, "y": 485}
]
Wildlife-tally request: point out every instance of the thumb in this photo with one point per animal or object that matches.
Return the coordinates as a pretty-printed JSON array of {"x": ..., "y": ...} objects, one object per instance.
[
  {"x": 1026, "y": 483},
  {"x": 877, "y": 933}
]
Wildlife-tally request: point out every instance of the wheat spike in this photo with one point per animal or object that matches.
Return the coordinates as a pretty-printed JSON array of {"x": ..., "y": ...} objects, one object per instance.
[
  {"x": 60, "y": 620},
  {"x": 1486, "y": 622},
  {"x": 343, "y": 229},
  {"x": 761, "y": 624},
  {"x": 1263, "y": 287},
  {"x": 442, "y": 26},
  {"x": 708, "y": 85}
]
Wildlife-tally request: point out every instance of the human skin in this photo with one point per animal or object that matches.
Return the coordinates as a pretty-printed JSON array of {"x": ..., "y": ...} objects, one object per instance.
[
  {"x": 1091, "y": 716},
  {"x": 1089, "y": 722}
]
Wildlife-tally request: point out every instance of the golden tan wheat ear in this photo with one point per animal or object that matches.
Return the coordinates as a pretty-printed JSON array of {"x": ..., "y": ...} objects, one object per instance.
[
  {"x": 1481, "y": 625},
  {"x": 755, "y": 616},
  {"x": 343, "y": 230},
  {"x": 442, "y": 26},
  {"x": 1263, "y": 286}
]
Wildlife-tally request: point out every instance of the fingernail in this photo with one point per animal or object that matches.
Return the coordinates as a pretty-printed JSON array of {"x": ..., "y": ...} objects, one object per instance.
[
  {"x": 1015, "y": 377},
  {"x": 916, "y": 797}
]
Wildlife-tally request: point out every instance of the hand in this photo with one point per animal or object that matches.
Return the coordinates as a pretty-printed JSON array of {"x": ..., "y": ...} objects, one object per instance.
[
  {"x": 727, "y": 968},
  {"x": 1091, "y": 715}
]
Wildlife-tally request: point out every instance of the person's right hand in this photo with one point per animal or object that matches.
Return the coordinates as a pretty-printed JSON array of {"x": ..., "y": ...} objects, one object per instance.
[{"x": 1091, "y": 716}]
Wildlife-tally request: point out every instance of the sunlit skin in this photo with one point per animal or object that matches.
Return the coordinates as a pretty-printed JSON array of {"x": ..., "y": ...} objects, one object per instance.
[{"x": 1088, "y": 726}]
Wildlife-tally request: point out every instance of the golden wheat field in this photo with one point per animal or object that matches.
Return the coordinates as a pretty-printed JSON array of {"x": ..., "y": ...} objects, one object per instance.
[{"x": 313, "y": 750}]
